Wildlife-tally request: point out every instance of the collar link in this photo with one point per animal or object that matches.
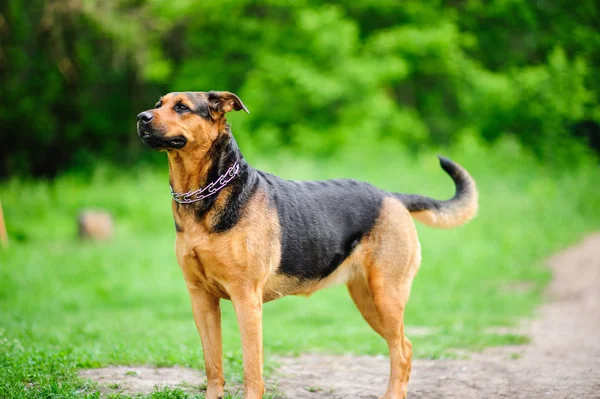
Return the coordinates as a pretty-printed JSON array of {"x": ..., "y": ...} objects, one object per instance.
[{"x": 207, "y": 191}]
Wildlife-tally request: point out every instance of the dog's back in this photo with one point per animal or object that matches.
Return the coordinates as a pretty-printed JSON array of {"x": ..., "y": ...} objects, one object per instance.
[{"x": 321, "y": 221}]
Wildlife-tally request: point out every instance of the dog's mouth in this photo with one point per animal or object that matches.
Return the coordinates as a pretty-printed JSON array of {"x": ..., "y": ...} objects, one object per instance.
[{"x": 161, "y": 143}]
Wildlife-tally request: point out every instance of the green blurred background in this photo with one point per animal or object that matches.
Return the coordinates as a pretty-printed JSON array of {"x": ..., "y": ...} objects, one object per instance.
[
  {"x": 318, "y": 77},
  {"x": 370, "y": 90}
]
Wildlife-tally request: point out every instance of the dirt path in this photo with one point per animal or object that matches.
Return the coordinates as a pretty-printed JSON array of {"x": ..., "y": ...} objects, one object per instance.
[{"x": 562, "y": 361}]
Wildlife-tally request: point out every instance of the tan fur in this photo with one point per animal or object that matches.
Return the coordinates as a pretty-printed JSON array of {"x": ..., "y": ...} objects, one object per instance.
[
  {"x": 346, "y": 271},
  {"x": 187, "y": 168},
  {"x": 234, "y": 265},
  {"x": 279, "y": 285},
  {"x": 456, "y": 214},
  {"x": 445, "y": 220},
  {"x": 392, "y": 259},
  {"x": 241, "y": 263},
  {"x": 379, "y": 274},
  {"x": 452, "y": 217}
]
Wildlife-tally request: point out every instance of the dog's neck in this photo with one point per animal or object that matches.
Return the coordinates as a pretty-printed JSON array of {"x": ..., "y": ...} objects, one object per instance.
[{"x": 190, "y": 174}]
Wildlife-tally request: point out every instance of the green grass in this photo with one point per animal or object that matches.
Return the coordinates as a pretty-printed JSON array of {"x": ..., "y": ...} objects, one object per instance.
[{"x": 66, "y": 305}]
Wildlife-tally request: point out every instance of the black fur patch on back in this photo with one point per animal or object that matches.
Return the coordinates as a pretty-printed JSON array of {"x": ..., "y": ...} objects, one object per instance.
[
  {"x": 321, "y": 221},
  {"x": 418, "y": 203}
]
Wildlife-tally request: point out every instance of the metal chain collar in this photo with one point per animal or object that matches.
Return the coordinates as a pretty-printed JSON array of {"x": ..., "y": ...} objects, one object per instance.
[{"x": 211, "y": 189}]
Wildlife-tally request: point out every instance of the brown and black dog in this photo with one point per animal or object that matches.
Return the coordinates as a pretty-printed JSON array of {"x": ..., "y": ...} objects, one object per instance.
[{"x": 251, "y": 237}]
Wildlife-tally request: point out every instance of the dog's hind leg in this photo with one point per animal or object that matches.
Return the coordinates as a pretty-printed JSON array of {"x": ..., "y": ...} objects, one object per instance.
[
  {"x": 389, "y": 306},
  {"x": 391, "y": 260},
  {"x": 361, "y": 295},
  {"x": 399, "y": 346}
]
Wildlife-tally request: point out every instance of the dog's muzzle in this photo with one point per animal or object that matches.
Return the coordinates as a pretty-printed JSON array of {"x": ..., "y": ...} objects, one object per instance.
[{"x": 154, "y": 139}]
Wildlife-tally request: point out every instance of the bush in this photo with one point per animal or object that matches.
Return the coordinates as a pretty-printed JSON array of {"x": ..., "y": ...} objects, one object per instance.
[{"x": 318, "y": 77}]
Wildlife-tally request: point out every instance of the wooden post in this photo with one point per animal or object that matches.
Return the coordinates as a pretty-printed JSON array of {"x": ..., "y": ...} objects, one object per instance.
[{"x": 3, "y": 235}]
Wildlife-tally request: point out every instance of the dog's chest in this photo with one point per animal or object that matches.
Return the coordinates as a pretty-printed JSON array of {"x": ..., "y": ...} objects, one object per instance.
[
  {"x": 247, "y": 252},
  {"x": 203, "y": 261}
]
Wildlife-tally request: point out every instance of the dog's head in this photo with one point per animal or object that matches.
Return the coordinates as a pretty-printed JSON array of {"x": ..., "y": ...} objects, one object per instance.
[{"x": 187, "y": 121}]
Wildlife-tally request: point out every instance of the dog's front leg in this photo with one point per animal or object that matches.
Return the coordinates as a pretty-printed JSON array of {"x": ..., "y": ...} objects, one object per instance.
[
  {"x": 247, "y": 302},
  {"x": 207, "y": 314}
]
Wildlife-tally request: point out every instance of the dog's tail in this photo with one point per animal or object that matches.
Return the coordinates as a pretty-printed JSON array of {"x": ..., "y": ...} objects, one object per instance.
[{"x": 450, "y": 213}]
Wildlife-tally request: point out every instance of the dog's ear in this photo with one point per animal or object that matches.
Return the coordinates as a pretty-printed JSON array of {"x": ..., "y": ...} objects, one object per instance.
[{"x": 221, "y": 102}]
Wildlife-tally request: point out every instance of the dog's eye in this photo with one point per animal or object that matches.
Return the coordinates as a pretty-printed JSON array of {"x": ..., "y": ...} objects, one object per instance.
[
  {"x": 179, "y": 107},
  {"x": 158, "y": 105}
]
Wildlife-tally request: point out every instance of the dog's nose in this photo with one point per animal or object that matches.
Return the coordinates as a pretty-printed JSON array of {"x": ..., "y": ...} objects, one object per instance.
[{"x": 144, "y": 117}]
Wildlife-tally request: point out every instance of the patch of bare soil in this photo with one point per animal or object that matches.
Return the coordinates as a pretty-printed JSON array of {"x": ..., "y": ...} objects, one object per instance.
[
  {"x": 144, "y": 379},
  {"x": 562, "y": 361}
]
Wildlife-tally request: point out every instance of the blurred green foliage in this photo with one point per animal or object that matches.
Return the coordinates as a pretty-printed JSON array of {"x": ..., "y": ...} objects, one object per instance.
[{"x": 318, "y": 77}]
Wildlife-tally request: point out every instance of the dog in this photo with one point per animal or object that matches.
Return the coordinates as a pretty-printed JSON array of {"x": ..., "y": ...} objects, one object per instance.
[{"x": 251, "y": 237}]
